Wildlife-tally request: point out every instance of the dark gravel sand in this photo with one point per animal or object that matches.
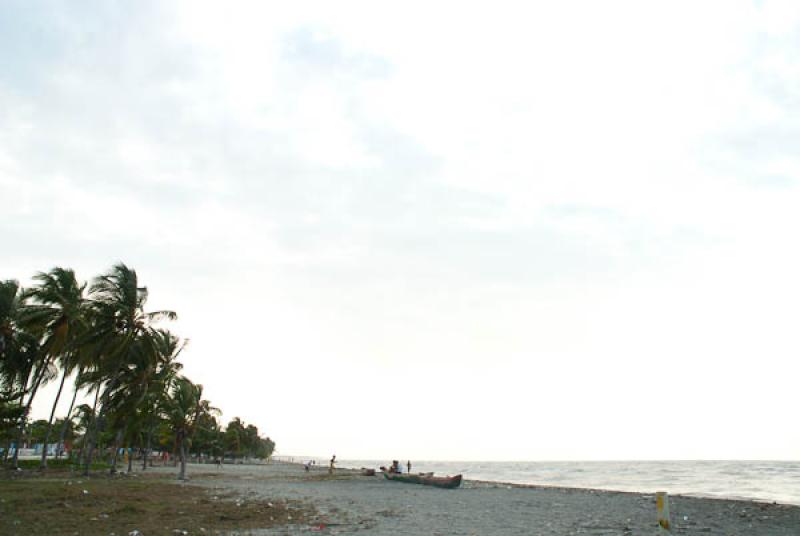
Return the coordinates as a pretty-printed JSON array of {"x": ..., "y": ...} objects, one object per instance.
[{"x": 370, "y": 505}]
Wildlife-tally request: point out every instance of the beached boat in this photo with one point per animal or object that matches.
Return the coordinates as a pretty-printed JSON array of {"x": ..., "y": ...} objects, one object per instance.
[{"x": 448, "y": 482}]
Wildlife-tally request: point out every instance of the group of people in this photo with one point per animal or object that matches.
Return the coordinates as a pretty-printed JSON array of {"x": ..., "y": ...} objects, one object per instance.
[
  {"x": 332, "y": 465},
  {"x": 397, "y": 468},
  {"x": 394, "y": 468}
]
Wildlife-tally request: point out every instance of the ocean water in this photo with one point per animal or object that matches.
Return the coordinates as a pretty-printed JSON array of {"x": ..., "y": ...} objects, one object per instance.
[{"x": 777, "y": 481}]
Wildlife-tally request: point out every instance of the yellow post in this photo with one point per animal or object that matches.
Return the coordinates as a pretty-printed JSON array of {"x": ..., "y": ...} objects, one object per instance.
[{"x": 662, "y": 507}]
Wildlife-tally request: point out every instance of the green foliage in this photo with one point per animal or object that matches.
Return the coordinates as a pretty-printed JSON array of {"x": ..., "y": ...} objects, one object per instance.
[
  {"x": 209, "y": 437},
  {"x": 102, "y": 335},
  {"x": 36, "y": 431},
  {"x": 242, "y": 440},
  {"x": 19, "y": 350},
  {"x": 10, "y": 415}
]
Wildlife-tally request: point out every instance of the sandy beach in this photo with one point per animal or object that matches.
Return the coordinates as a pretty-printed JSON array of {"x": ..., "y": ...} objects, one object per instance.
[{"x": 348, "y": 503}]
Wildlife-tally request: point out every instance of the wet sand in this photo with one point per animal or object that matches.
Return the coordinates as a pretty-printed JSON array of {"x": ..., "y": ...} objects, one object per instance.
[{"x": 349, "y": 503}]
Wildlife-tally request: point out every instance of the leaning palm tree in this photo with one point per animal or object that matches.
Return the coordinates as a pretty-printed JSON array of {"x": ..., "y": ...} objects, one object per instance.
[
  {"x": 56, "y": 313},
  {"x": 75, "y": 389},
  {"x": 120, "y": 330}
]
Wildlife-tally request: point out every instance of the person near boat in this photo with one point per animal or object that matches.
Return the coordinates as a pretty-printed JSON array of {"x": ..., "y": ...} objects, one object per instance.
[{"x": 394, "y": 468}]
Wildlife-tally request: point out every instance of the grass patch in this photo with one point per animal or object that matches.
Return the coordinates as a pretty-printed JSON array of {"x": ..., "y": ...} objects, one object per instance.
[
  {"x": 101, "y": 506},
  {"x": 63, "y": 463}
]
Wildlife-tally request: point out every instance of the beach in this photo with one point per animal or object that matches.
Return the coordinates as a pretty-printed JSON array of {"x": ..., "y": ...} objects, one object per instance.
[{"x": 348, "y": 503}]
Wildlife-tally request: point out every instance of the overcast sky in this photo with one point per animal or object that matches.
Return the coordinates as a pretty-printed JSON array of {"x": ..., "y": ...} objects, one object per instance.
[{"x": 492, "y": 230}]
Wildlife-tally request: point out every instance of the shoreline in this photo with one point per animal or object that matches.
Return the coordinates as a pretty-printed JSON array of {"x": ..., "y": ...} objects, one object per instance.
[
  {"x": 645, "y": 493},
  {"x": 690, "y": 494}
]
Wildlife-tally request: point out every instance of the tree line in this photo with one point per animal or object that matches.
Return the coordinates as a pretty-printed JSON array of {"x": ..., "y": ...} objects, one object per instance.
[{"x": 121, "y": 359}]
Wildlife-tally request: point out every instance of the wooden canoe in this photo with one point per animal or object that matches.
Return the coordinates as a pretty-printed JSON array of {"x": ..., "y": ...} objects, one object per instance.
[{"x": 448, "y": 482}]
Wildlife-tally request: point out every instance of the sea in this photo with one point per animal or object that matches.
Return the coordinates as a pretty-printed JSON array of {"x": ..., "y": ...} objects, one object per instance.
[{"x": 769, "y": 481}]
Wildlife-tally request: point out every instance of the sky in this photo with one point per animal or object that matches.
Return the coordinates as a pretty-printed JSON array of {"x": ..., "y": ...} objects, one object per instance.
[{"x": 452, "y": 230}]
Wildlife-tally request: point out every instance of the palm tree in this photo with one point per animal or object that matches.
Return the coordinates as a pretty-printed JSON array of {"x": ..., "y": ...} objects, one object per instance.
[
  {"x": 121, "y": 331},
  {"x": 21, "y": 357},
  {"x": 184, "y": 409},
  {"x": 57, "y": 314},
  {"x": 83, "y": 414},
  {"x": 143, "y": 383},
  {"x": 9, "y": 303},
  {"x": 209, "y": 437},
  {"x": 234, "y": 437},
  {"x": 156, "y": 397},
  {"x": 14, "y": 360},
  {"x": 77, "y": 387}
]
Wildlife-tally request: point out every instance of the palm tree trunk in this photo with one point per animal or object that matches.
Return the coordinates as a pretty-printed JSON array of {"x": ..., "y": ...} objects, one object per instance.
[
  {"x": 108, "y": 389},
  {"x": 6, "y": 449},
  {"x": 90, "y": 433},
  {"x": 20, "y": 437},
  {"x": 147, "y": 447},
  {"x": 182, "y": 475},
  {"x": 43, "y": 464},
  {"x": 63, "y": 434},
  {"x": 117, "y": 440},
  {"x": 37, "y": 379},
  {"x": 79, "y": 460},
  {"x": 21, "y": 403}
]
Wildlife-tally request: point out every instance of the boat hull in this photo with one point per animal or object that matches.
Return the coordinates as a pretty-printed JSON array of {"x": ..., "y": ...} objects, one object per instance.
[{"x": 446, "y": 482}]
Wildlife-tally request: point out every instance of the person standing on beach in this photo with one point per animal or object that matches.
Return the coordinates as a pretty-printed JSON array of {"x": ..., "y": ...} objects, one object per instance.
[
  {"x": 409, "y": 466},
  {"x": 331, "y": 467}
]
